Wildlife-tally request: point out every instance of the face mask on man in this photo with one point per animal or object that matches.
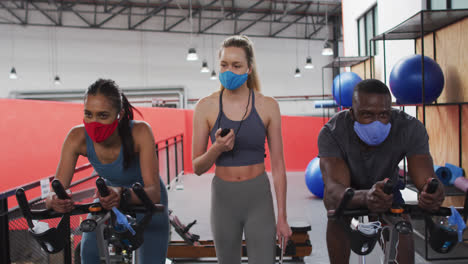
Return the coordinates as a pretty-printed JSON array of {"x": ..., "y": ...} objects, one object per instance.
[
  {"x": 372, "y": 134},
  {"x": 99, "y": 132},
  {"x": 232, "y": 81}
]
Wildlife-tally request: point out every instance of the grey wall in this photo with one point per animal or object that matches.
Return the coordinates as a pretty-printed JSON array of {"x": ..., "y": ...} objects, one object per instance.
[{"x": 148, "y": 59}]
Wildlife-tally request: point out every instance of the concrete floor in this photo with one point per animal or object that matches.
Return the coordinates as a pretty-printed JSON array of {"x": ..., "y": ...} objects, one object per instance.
[{"x": 193, "y": 202}]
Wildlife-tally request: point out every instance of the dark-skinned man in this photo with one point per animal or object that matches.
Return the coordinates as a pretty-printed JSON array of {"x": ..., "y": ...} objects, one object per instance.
[{"x": 362, "y": 146}]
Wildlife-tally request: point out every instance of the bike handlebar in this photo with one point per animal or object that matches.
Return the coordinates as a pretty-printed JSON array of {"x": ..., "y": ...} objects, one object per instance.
[
  {"x": 388, "y": 186},
  {"x": 59, "y": 190},
  {"x": 24, "y": 206},
  {"x": 79, "y": 209},
  {"x": 432, "y": 185},
  {"x": 102, "y": 187},
  {"x": 413, "y": 210},
  {"x": 347, "y": 196},
  {"x": 53, "y": 240}
]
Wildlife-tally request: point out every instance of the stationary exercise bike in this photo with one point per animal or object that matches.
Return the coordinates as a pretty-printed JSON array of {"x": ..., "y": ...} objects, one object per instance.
[
  {"x": 441, "y": 240},
  {"x": 111, "y": 231}
]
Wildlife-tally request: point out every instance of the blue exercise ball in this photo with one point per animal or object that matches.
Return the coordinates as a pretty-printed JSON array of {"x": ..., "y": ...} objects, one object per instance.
[
  {"x": 313, "y": 178},
  {"x": 343, "y": 86},
  {"x": 406, "y": 80}
]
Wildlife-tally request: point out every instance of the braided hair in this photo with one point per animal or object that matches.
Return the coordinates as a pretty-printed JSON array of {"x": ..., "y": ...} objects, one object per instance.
[{"x": 119, "y": 101}]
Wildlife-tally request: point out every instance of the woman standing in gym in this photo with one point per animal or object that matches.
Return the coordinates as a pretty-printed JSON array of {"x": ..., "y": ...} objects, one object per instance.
[
  {"x": 122, "y": 151},
  {"x": 241, "y": 200}
]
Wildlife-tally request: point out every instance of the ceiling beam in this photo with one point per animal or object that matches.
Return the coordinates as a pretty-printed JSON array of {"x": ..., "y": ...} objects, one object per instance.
[
  {"x": 150, "y": 15},
  {"x": 43, "y": 13},
  {"x": 230, "y": 13},
  {"x": 12, "y": 13},
  {"x": 194, "y": 13},
  {"x": 111, "y": 16},
  {"x": 288, "y": 25},
  {"x": 79, "y": 16},
  {"x": 251, "y": 24},
  {"x": 321, "y": 22}
]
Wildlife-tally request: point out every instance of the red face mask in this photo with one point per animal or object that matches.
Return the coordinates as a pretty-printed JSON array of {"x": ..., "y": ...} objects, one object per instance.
[{"x": 99, "y": 132}]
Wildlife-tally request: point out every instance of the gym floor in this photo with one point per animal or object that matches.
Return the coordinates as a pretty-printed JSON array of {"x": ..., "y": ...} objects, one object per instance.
[{"x": 193, "y": 202}]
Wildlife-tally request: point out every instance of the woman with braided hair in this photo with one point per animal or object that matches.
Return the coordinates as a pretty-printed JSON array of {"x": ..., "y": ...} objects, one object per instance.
[{"x": 122, "y": 151}]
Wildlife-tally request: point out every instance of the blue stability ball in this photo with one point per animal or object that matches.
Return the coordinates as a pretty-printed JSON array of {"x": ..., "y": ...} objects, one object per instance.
[
  {"x": 313, "y": 178},
  {"x": 345, "y": 83},
  {"x": 406, "y": 80}
]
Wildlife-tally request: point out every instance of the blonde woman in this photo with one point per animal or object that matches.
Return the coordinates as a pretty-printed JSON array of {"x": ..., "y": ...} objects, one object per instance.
[{"x": 241, "y": 200}]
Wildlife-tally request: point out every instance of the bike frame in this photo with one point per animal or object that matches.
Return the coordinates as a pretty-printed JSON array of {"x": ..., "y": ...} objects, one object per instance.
[
  {"x": 102, "y": 217},
  {"x": 396, "y": 223}
]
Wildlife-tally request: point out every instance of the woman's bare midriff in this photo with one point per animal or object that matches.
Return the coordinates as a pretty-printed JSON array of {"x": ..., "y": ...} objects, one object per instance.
[{"x": 241, "y": 173}]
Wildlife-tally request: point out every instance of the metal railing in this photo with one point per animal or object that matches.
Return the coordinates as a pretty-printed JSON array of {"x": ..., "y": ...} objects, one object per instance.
[
  {"x": 15, "y": 242},
  {"x": 173, "y": 149}
]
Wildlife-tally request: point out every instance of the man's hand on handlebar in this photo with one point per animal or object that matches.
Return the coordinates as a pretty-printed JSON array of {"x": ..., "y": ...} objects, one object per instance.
[
  {"x": 111, "y": 200},
  {"x": 376, "y": 199},
  {"x": 59, "y": 205},
  {"x": 431, "y": 201}
]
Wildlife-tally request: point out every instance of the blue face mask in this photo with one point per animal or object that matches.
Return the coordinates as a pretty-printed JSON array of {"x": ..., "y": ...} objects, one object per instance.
[
  {"x": 372, "y": 134},
  {"x": 232, "y": 81}
]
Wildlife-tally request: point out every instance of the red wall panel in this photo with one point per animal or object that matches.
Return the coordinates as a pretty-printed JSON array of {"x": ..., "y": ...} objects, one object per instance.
[
  {"x": 300, "y": 140},
  {"x": 165, "y": 122},
  {"x": 188, "y": 141},
  {"x": 32, "y": 134}
]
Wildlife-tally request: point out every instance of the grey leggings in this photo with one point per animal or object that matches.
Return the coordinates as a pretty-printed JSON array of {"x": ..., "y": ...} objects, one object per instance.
[{"x": 238, "y": 207}]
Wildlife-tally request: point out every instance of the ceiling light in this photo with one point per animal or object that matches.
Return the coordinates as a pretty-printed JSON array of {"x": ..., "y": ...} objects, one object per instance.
[
  {"x": 57, "y": 80},
  {"x": 13, "y": 74},
  {"x": 309, "y": 64},
  {"x": 327, "y": 49},
  {"x": 192, "y": 55},
  {"x": 213, "y": 75},
  {"x": 297, "y": 74},
  {"x": 204, "y": 67}
]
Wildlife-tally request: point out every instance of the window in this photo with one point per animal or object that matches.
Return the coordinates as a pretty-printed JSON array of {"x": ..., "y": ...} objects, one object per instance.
[
  {"x": 446, "y": 4},
  {"x": 437, "y": 4},
  {"x": 367, "y": 29},
  {"x": 370, "y": 32},
  {"x": 362, "y": 36},
  {"x": 458, "y": 4}
]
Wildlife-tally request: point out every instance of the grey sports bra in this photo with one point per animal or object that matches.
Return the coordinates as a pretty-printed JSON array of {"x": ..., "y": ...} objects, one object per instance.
[{"x": 250, "y": 136}]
